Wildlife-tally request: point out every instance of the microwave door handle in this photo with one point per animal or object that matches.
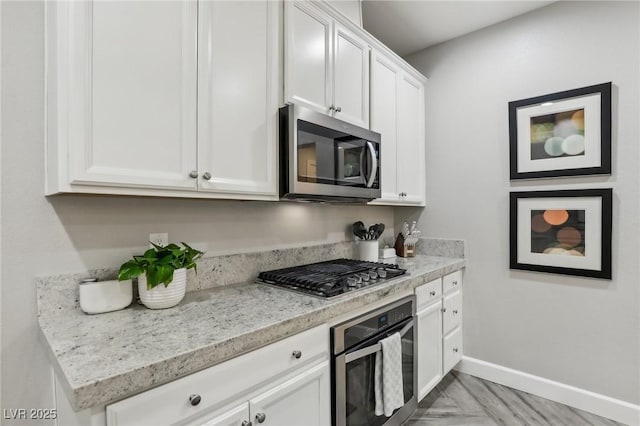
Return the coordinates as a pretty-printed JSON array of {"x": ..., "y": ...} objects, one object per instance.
[
  {"x": 374, "y": 165},
  {"x": 362, "y": 171}
]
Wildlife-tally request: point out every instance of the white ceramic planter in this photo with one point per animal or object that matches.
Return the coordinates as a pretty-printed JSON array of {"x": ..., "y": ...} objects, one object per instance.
[{"x": 161, "y": 297}]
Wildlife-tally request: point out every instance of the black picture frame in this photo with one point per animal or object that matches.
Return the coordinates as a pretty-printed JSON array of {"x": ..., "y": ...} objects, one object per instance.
[
  {"x": 596, "y": 237},
  {"x": 521, "y": 151}
]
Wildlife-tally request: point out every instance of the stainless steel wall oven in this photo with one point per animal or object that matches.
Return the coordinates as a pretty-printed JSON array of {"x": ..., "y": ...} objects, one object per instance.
[{"x": 355, "y": 344}]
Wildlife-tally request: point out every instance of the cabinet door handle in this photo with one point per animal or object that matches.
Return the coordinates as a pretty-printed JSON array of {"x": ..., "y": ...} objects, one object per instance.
[
  {"x": 246, "y": 423},
  {"x": 455, "y": 312},
  {"x": 338, "y": 109},
  {"x": 454, "y": 283},
  {"x": 297, "y": 354},
  {"x": 206, "y": 176},
  {"x": 261, "y": 417},
  {"x": 193, "y": 174},
  {"x": 455, "y": 349},
  {"x": 432, "y": 293},
  {"x": 194, "y": 399},
  {"x": 331, "y": 108},
  {"x": 444, "y": 309}
]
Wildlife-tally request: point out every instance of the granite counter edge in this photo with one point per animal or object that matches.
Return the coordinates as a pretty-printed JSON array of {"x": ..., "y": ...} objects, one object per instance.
[{"x": 132, "y": 382}]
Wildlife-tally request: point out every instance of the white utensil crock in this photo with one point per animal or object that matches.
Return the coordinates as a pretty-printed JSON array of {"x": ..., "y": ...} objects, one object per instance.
[
  {"x": 161, "y": 297},
  {"x": 367, "y": 250}
]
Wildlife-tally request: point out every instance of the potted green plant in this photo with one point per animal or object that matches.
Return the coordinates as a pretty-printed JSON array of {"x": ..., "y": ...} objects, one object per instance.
[{"x": 161, "y": 265}]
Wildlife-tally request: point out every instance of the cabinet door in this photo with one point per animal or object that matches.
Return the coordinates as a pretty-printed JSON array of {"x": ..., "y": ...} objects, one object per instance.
[
  {"x": 237, "y": 97},
  {"x": 351, "y": 77},
  {"x": 452, "y": 317},
  {"x": 308, "y": 53},
  {"x": 452, "y": 348},
  {"x": 429, "y": 348},
  {"x": 126, "y": 88},
  {"x": 384, "y": 120},
  {"x": 411, "y": 160},
  {"x": 232, "y": 417},
  {"x": 303, "y": 400}
]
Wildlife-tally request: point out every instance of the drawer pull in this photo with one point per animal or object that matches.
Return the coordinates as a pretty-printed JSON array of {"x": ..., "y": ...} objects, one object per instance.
[
  {"x": 455, "y": 349},
  {"x": 195, "y": 399},
  {"x": 432, "y": 293},
  {"x": 246, "y": 423},
  {"x": 454, "y": 283},
  {"x": 261, "y": 417},
  {"x": 455, "y": 312},
  {"x": 296, "y": 355}
]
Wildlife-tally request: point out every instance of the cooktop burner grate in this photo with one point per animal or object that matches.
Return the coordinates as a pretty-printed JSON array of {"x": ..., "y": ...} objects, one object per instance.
[{"x": 331, "y": 278}]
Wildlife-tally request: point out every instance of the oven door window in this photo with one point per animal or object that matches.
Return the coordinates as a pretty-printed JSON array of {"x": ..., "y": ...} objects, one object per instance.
[
  {"x": 331, "y": 157},
  {"x": 359, "y": 380}
]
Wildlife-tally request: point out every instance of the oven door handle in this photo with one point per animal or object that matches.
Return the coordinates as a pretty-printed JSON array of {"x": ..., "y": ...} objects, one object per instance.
[
  {"x": 374, "y": 165},
  {"x": 360, "y": 353}
]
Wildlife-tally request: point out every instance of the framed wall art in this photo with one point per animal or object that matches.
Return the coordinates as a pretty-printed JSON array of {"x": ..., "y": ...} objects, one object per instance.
[
  {"x": 563, "y": 232},
  {"x": 561, "y": 134}
]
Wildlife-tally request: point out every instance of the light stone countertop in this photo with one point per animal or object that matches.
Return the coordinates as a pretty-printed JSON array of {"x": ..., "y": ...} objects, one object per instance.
[{"x": 103, "y": 358}]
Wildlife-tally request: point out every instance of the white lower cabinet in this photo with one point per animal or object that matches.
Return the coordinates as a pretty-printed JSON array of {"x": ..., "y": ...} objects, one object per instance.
[
  {"x": 303, "y": 400},
  {"x": 429, "y": 348},
  {"x": 452, "y": 349},
  {"x": 285, "y": 383},
  {"x": 451, "y": 321},
  {"x": 238, "y": 415},
  {"x": 439, "y": 319},
  {"x": 298, "y": 401}
]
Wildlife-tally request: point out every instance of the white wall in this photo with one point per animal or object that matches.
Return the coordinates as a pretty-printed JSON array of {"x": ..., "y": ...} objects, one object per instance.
[
  {"x": 577, "y": 331},
  {"x": 42, "y": 236}
]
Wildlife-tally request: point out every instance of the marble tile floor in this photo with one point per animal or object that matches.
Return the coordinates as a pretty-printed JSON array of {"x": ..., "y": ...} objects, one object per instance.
[{"x": 464, "y": 400}]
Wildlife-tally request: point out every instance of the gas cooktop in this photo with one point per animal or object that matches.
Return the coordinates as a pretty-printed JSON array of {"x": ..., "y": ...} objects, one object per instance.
[{"x": 332, "y": 277}]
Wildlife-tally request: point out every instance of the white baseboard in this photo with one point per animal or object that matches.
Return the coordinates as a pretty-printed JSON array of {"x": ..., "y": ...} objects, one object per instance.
[{"x": 592, "y": 402}]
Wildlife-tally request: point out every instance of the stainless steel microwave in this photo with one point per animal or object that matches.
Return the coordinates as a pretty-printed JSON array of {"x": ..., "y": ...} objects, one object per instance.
[{"x": 326, "y": 159}]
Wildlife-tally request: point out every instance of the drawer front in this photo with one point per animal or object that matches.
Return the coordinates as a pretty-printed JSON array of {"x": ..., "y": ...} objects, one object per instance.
[
  {"x": 428, "y": 293},
  {"x": 170, "y": 403},
  {"x": 452, "y": 312},
  {"x": 452, "y": 282},
  {"x": 452, "y": 348}
]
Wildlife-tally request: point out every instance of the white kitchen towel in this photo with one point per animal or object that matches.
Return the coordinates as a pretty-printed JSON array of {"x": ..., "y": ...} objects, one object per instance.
[{"x": 388, "y": 376}]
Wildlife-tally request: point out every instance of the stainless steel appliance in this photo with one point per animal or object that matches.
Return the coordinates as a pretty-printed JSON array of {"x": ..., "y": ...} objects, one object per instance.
[
  {"x": 326, "y": 159},
  {"x": 355, "y": 344},
  {"x": 331, "y": 278}
]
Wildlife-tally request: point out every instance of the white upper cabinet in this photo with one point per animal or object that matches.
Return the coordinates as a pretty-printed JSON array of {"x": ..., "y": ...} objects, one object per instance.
[
  {"x": 238, "y": 98},
  {"x": 326, "y": 65},
  {"x": 397, "y": 113},
  {"x": 385, "y": 79},
  {"x": 308, "y": 56},
  {"x": 172, "y": 98},
  {"x": 351, "y": 77},
  {"x": 124, "y": 76},
  {"x": 411, "y": 159}
]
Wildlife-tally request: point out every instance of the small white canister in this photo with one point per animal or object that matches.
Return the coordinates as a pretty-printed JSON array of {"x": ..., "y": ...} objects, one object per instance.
[
  {"x": 97, "y": 297},
  {"x": 367, "y": 250}
]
